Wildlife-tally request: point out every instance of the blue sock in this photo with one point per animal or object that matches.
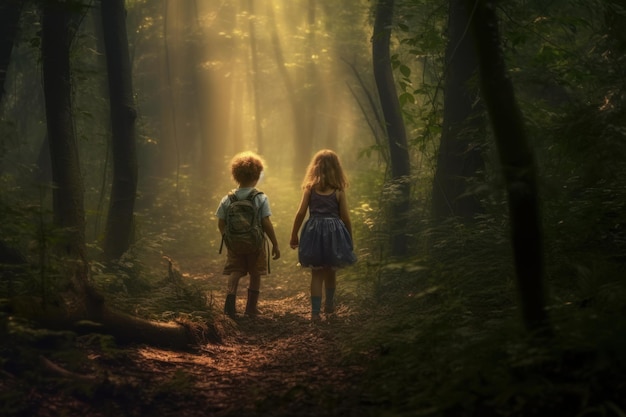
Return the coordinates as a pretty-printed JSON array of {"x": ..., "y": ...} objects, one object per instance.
[
  {"x": 330, "y": 297},
  {"x": 316, "y": 304}
]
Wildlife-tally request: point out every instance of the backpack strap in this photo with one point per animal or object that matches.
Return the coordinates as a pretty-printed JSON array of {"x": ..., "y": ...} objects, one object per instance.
[
  {"x": 268, "y": 254},
  {"x": 232, "y": 197},
  {"x": 251, "y": 197},
  {"x": 253, "y": 193}
]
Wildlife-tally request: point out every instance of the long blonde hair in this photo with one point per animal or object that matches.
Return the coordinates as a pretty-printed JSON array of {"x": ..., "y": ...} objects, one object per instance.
[{"x": 325, "y": 172}]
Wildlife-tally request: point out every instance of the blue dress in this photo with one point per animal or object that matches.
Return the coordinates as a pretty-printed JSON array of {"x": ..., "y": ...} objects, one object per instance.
[{"x": 324, "y": 240}]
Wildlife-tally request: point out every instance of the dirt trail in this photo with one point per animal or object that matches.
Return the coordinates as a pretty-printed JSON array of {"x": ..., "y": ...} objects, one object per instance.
[{"x": 278, "y": 364}]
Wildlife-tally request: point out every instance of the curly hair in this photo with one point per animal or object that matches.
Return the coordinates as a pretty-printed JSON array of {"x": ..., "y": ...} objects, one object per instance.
[
  {"x": 246, "y": 167},
  {"x": 325, "y": 171}
]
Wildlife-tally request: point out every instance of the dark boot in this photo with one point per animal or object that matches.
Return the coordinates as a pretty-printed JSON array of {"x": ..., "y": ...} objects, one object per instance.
[
  {"x": 316, "y": 304},
  {"x": 253, "y": 299},
  {"x": 229, "y": 305},
  {"x": 329, "y": 304}
]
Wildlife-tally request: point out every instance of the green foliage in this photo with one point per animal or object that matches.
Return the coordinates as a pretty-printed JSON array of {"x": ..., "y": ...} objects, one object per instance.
[
  {"x": 417, "y": 50},
  {"x": 419, "y": 67},
  {"x": 440, "y": 329},
  {"x": 29, "y": 266},
  {"x": 178, "y": 223},
  {"x": 26, "y": 355},
  {"x": 159, "y": 293},
  {"x": 444, "y": 337}
]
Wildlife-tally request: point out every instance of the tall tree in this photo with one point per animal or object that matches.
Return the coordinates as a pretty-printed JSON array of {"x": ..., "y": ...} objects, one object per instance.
[
  {"x": 459, "y": 157},
  {"x": 10, "y": 11},
  {"x": 308, "y": 82},
  {"x": 394, "y": 123},
  {"x": 517, "y": 161},
  {"x": 119, "y": 228},
  {"x": 58, "y": 29},
  {"x": 180, "y": 54},
  {"x": 213, "y": 85},
  {"x": 170, "y": 146},
  {"x": 59, "y": 24},
  {"x": 256, "y": 77},
  {"x": 300, "y": 93}
]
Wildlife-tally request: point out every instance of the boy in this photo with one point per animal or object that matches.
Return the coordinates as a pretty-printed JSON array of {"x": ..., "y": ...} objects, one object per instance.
[{"x": 246, "y": 168}]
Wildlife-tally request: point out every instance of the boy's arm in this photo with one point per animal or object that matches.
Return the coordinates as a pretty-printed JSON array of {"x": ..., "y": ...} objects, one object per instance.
[
  {"x": 268, "y": 228},
  {"x": 221, "y": 216}
]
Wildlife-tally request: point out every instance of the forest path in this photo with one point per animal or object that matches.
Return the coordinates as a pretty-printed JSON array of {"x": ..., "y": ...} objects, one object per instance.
[{"x": 277, "y": 364}]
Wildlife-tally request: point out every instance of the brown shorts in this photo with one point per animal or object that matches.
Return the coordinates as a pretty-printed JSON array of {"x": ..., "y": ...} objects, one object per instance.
[{"x": 253, "y": 264}]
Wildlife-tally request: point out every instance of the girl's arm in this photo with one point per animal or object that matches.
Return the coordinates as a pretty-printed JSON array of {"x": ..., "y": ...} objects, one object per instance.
[
  {"x": 304, "y": 205},
  {"x": 344, "y": 213},
  {"x": 221, "y": 225}
]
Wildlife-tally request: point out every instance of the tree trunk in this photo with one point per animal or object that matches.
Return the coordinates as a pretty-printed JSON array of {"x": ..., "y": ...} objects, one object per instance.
[
  {"x": 103, "y": 89},
  {"x": 58, "y": 28},
  {"x": 256, "y": 81},
  {"x": 460, "y": 156},
  {"x": 185, "y": 126},
  {"x": 10, "y": 11},
  {"x": 396, "y": 134},
  {"x": 517, "y": 160},
  {"x": 170, "y": 146},
  {"x": 119, "y": 228},
  {"x": 95, "y": 316},
  {"x": 308, "y": 104},
  {"x": 300, "y": 99}
]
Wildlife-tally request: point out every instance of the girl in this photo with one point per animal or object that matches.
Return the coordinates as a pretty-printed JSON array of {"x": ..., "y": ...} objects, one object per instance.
[{"x": 326, "y": 240}]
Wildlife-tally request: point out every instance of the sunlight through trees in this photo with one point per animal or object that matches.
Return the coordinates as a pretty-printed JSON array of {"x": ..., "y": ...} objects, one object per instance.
[{"x": 483, "y": 143}]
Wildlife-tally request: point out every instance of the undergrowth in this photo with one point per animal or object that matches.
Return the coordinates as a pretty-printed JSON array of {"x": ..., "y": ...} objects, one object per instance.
[
  {"x": 441, "y": 333},
  {"x": 446, "y": 339}
]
